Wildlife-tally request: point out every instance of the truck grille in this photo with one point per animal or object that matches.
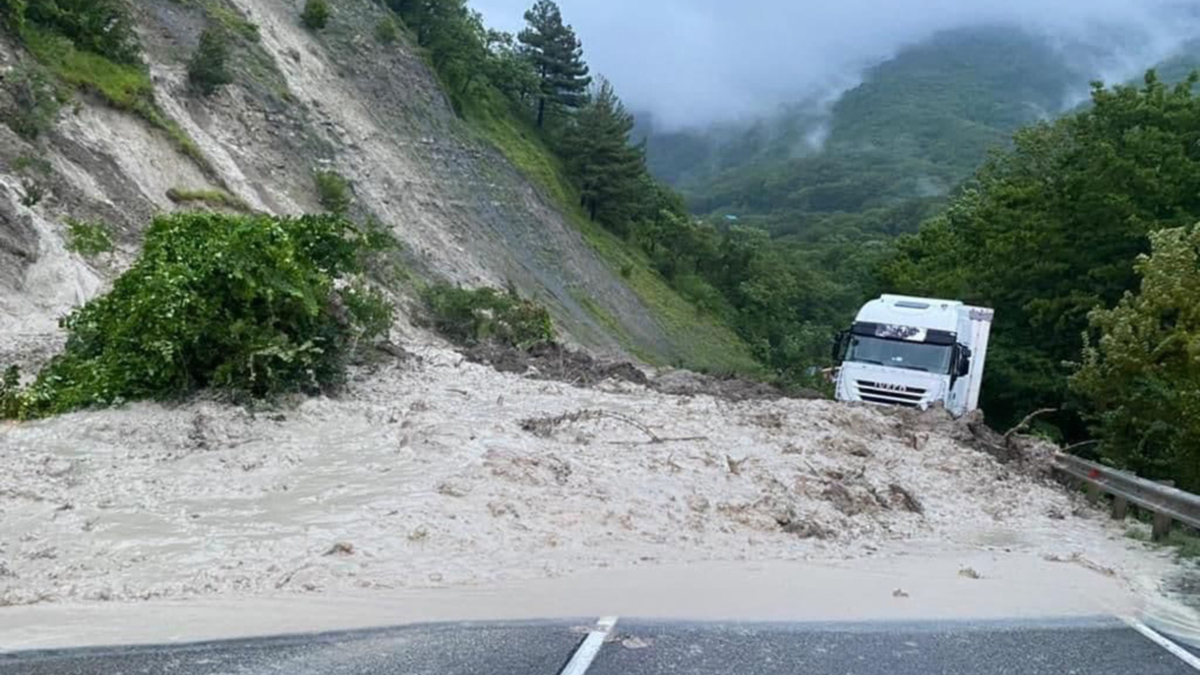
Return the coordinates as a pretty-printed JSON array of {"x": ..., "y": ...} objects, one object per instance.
[{"x": 890, "y": 394}]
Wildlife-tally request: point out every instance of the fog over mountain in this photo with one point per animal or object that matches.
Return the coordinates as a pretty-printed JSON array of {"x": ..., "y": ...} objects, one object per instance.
[{"x": 693, "y": 62}]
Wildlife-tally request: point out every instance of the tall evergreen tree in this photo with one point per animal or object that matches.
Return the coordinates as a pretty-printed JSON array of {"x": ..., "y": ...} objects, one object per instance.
[
  {"x": 558, "y": 57},
  {"x": 607, "y": 167}
]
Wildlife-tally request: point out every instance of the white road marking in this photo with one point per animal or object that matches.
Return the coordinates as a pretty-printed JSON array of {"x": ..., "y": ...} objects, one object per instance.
[
  {"x": 1162, "y": 641},
  {"x": 583, "y": 657}
]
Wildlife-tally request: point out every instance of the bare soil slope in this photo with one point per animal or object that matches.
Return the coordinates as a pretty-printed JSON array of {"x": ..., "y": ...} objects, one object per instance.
[{"x": 301, "y": 101}]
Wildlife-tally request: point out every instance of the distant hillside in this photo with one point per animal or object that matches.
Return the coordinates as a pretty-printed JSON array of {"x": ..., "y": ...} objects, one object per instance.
[
  {"x": 881, "y": 158},
  {"x": 916, "y": 126}
]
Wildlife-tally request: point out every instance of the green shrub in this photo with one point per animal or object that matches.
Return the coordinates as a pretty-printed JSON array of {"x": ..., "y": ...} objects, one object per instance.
[
  {"x": 333, "y": 191},
  {"x": 387, "y": 31},
  {"x": 316, "y": 14},
  {"x": 32, "y": 193},
  {"x": 232, "y": 21},
  {"x": 217, "y": 198},
  {"x": 88, "y": 239},
  {"x": 35, "y": 101},
  {"x": 10, "y": 392},
  {"x": 471, "y": 317},
  {"x": 103, "y": 27},
  {"x": 207, "y": 69},
  {"x": 247, "y": 304},
  {"x": 30, "y": 163}
]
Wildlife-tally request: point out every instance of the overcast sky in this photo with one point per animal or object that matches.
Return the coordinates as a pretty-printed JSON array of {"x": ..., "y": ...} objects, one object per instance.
[{"x": 696, "y": 61}]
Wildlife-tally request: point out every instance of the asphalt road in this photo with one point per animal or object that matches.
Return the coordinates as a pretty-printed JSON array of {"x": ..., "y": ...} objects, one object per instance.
[{"x": 1082, "y": 647}]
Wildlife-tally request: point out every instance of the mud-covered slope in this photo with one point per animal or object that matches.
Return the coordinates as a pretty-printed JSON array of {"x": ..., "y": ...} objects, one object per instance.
[{"x": 303, "y": 101}]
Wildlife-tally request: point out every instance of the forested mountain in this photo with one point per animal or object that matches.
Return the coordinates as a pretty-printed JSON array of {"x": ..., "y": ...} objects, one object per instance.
[
  {"x": 971, "y": 167},
  {"x": 913, "y": 129}
]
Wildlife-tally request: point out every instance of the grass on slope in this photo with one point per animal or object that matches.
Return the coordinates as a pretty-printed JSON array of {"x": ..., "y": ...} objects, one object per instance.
[
  {"x": 124, "y": 87},
  {"x": 705, "y": 343}
]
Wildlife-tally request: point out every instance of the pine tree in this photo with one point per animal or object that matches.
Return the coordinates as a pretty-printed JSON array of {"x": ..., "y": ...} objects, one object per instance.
[
  {"x": 608, "y": 168},
  {"x": 558, "y": 57}
]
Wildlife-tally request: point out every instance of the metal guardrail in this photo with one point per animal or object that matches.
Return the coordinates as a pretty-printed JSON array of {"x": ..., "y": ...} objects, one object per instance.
[{"x": 1166, "y": 503}]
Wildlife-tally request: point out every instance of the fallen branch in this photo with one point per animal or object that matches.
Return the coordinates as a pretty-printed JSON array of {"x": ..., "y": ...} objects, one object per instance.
[
  {"x": 661, "y": 439},
  {"x": 543, "y": 426},
  {"x": 1075, "y": 446},
  {"x": 1024, "y": 425}
]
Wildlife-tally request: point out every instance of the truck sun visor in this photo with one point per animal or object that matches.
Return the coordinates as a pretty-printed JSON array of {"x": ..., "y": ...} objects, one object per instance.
[{"x": 907, "y": 333}]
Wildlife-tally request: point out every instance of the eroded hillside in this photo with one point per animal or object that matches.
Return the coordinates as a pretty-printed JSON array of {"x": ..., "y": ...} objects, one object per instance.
[{"x": 300, "y": 102}]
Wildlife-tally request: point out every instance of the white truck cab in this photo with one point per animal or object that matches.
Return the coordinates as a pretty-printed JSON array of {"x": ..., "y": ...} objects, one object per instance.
[{"x": 914, "y": 352}]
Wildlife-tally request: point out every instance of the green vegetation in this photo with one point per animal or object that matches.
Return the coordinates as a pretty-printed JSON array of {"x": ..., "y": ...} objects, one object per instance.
[
  {"x": 101, "y": 27},
  {"x": 88, "y": 239},
  {"x": 333, "y": 191},
  {"x": 814, "y": 196},
  {"x": 245, "y": 304},
  {"x": 31, "y": 170},
  {"x": 215, "y": 198},
  {"x": 609, "y": 170},
  {"x": 387, "y": 30},
  {"x": 92, "y": 45},
  {"x": 557, "y": 59},
  {"x": 10, "y": 393},
  {"x": 584, "y": 158},
  {"x": 316, "y": 14},
  {"x": 1185, "y": 542},
  {"x": 208, "y": 70},
  {"x": 32, "y": 193},
  {"x": 36, "y": 101},
  {"x": 1141, "y": 372},
  {"x": 29, "y": 163},
  {"x": 231, "y": 21},
  {"x": 472, "y": 317},
  {"x": 1050, "y": 230}
]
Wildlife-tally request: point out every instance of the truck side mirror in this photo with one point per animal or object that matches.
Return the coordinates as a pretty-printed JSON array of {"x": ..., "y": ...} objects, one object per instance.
[
  {"x": 839, "y": 342},
  {"x": 964, "y": 362}
]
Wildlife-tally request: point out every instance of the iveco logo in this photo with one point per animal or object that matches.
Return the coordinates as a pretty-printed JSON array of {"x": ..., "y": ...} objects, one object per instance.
[{"x": 887, "y": 386}]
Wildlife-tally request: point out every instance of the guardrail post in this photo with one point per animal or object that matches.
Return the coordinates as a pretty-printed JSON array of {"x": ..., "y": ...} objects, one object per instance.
[
  {"x": 1093, "y": 493},
  {"x": 1120, "y": 508},
  {"x": 1162, "y": 527}
]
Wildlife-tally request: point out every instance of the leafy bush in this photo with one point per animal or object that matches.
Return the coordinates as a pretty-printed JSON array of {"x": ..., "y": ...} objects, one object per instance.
[
  {"x": 316, "y": 14},
  {"x": 35, "y": 101},
  {"x": 232, "y": 21},
  {"x": 471, "y": 317},
  {"x": 248, "y": 304},
  {"x": 103, "y": 27},
  {"x": 10, "y": 393},
  {"x": 207, "y": 69},
  {"x": 32, "y": 193},
  {"x": 218, "y": 198},
  {"x": 1141, "y": 375},
  {"x": 333, "y": 191},
  {"x": 88, "y": 238},
  {"x": 387, "y": 31},
  {"x": 31, "y": 163}
]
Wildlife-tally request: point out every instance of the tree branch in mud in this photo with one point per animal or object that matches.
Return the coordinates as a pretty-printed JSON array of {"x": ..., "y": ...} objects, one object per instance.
[
  {"x": 1024, "y": 424},
  {"x": 544, "y": 426},
  {"x": 1076, "y": 446}
]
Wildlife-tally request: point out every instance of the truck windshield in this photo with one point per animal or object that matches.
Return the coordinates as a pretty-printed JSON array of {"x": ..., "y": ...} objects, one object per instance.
[{"x": 900, "y": 354}]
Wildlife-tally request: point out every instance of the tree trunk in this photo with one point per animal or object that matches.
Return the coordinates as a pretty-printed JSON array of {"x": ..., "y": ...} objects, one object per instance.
[{"x": 541, "y": 112}]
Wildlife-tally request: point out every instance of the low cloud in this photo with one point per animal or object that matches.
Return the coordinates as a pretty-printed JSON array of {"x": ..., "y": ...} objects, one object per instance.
[{"x": 693, "y": 62}]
